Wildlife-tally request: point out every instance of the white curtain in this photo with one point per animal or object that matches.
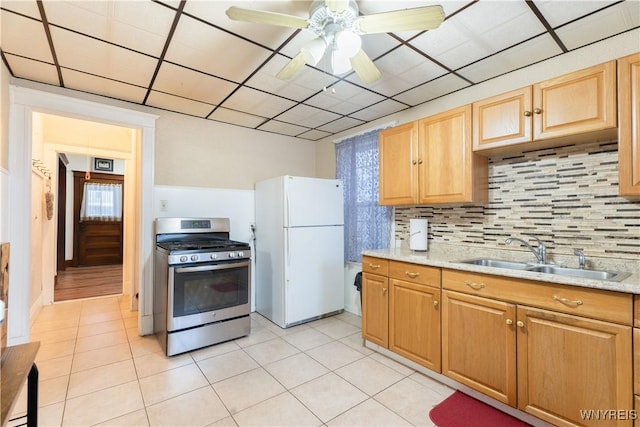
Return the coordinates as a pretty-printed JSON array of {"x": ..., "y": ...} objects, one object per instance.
[
  {"x": 101, "y": 202},
  {"x": 367, "y": 224}
]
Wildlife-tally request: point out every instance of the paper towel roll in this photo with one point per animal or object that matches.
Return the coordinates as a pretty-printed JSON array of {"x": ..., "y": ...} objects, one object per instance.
[{"x": 418, "y": 234}]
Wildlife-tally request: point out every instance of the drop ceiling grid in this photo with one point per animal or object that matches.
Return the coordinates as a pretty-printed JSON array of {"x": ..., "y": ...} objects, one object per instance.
[{"x": 225, "y": 70}]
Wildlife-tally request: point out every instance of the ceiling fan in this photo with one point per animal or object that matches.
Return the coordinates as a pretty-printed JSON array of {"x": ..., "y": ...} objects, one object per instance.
[{"x": 338, "y": 26}]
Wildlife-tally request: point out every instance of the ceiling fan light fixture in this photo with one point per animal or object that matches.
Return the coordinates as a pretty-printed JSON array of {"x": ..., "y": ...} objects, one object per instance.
[
  {"x": 314, "y": 51},
  {"x": 348, "y": 43},
  {"x": 340, "y": 63}
]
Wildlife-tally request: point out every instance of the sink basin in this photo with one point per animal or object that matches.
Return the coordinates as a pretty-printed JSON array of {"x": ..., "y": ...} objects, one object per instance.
[
  {"x": 497, "y": 263},
  {"x": 615, "y": 276}
]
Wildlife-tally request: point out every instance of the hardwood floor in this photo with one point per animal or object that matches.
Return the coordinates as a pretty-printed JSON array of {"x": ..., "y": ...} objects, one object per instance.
[{"x": 87, "y": 282}]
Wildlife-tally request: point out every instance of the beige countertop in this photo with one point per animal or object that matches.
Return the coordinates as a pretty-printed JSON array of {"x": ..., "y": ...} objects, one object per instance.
[{"x": 446, "y": 255}]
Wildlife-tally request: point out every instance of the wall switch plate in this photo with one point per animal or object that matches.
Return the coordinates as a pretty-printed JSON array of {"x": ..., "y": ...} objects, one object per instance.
[{"x": 163, "y": 205}]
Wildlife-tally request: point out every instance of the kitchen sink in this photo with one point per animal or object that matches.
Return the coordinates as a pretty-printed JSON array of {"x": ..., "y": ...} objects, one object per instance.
[{"x": 615, "y": 276}]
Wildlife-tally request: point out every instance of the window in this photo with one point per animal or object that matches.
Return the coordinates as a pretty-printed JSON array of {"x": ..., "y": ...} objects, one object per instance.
[
  {"x": 367, "y": 225},
  {"x": 101, "y": 202}
]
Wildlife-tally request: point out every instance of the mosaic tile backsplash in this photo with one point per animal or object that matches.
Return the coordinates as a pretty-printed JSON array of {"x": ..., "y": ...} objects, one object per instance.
[{"x": 566, "y": 196}]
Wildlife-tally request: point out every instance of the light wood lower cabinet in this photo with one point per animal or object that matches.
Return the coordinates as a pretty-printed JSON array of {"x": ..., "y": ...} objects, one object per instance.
[{"x": 375, "y": 308}]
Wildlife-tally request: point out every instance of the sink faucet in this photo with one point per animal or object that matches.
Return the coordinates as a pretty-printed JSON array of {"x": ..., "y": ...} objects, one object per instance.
[
  {"x": 540, "y": 253},
  {"x": 580, "y": 254}
]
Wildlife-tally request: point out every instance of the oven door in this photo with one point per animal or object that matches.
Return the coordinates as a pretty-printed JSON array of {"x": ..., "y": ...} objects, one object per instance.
[{"x": 206, "y": 293}]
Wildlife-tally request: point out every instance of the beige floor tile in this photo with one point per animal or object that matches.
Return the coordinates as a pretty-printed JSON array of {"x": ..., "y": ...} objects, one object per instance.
[
  {"x": 225, "y": 422},
  {"x": 369, "y": 413},
  {"x": 93, "y": 318},
  {"x": 356, "y": 342},
  {"x": 53, "y": 368},
  {"x": 100, "y": 328},
  {"x": 154, "y": 363},
  {"x": 296, "y": 370},
  {"x": 214, "y": 350},
  {"x": 100, "y": 305},
  {"x": 337, "y": 329},
  {"x": 50, "y": 391},
  {"x": 199, "y": 407},
  {"x": 271, "y": 351},
  {"x": 256, "y": 337},
  {"x": 55, "y": 350},
  {"x": 328, "y": 396},
  {"x": 334, "y": 355},
  {"x": 307, "y": 339},
  {"x": 171, "y": 383},
  {"x": 103, "y": 405},
  {"x": 51, "y": 415},
  {"x": 369, "y": 375},
  {"x": 226, "y": 365},
  {"x": 404, "y": 370},
  {"x": 247, "y": 389},
  {"x": 410, "y": 400},
  {"x": 92, "y": 380},
  {"x": 54, "y": 325},
  {"x": 94, "y": 342},
  {"x": 132, "y": 419},
  {"x": 444, "y": 390},
  {"x": 281, "y": 410},
  {"x": 144, "y": 345},
  {"x": 352, "y": 319},
  {"x": 100, "y": 357},
  {"x": 64, "y": 334}
]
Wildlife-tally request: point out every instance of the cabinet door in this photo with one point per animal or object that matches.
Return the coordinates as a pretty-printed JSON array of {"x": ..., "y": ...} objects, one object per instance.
[
  {"x": 579, "y": 102},
  {"x": 479, "y": 344},
  {"x": 449, "y": 171},
  {"x": 414, "y": 322},
  {"x": 398, "y": 165},
  {"x": 568, "y": 364},
  {"x": 502, "y": 120},
  {"x": 629, "y": 126},
  {"x": 375, "y": 309}
]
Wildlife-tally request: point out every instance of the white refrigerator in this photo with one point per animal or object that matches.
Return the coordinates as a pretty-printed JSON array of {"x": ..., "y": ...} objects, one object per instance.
[{"x": 299, "y": 248}]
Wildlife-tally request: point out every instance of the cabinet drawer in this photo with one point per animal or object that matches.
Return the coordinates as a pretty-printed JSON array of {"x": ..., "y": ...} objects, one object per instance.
[
  {"x": 375, "y": 265},
  {"x": 595, "y": 303},
  {"x": 415, "y": 273}
]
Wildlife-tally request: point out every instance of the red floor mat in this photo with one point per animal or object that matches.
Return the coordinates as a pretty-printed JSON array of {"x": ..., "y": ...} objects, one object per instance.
[{"x": 460, "y": 410}]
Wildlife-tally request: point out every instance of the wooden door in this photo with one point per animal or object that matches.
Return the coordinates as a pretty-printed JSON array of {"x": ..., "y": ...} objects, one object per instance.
[
  {"x": 579, "y": 102},
  {"x": 479, "y": 344},
  {"x": 502, "y": 120},
  {"x": 95, "y": 242},
  {"x": 568, "y": 364},
  {"x": 629, "y": 125},
  {"x": 398, "y": 165},
  {"x": 414, "y": 322},
  {"x": 375, "y": 309},
  {"x": 62, "y": 218}
]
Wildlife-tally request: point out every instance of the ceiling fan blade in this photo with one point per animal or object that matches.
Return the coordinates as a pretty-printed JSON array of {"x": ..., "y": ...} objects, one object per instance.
[
  {"x": 337, "y": 5},
  {"x": 264, "y": 17},
  {"x": 292, "y": 67},
  {"x": 419, "y": 18},
  {"x": 364, "y": 67}
]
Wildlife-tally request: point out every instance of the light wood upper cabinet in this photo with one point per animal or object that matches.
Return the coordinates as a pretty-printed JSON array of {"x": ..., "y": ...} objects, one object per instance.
[
  {"x": 431, "y": 161},
  {"x": 570, "y": 108},
  {"x": 629, "y": 125}
]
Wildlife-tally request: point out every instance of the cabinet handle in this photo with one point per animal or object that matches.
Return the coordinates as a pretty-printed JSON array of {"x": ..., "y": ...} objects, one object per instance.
[
  {"x": 527, "y": 113},
  {"x": 474, "y": 285},
  {"x": 520, "y": 324},
  {"x": 413, "y": 162},
  {"x": 509, "y": 322},
  {"x": 537, "y": 111},
  {"x": 374, "y": 266},
  {"x": 384, "y": 291},
  {"x": 435, "y": 303},
  {"x": 411, "y": 274},
  {"x": 568, "y": 301},
  {"x": 419, "y": 161}
]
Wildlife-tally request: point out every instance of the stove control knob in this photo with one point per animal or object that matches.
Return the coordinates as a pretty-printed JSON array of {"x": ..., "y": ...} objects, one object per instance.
[
  {"x": 183, "y": 258},
  {"x": 240, "y": 254},
  {"x": 214, "y": 256},
  {"x": 194, "y": 257},
  {"x": 232, "y": 254}
]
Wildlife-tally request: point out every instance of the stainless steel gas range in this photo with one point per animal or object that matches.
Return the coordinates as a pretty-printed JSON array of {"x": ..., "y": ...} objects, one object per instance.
[{"x": 202, "y": 284}]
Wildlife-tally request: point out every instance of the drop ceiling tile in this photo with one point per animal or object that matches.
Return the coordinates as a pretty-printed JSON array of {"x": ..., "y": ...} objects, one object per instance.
[
  {"x": 314, "y": 135},
  {"x": 202, "y": 47},
  {"x": 282, "y": 128},
  {"x": 388, "y": 85},
  {"x": 434, "y": 89},
  {"x": 192, "y": 84},
  {"x": 258, "y": 103},
  {"x": 236, "y": 117},
  {"x": 408, "y": 65},
  {"x": 271, "y": 36},
  {"x": 341, "y": 125},
  {"x": 117, "y": 22},
  {"x": 377, "y": 44},
  {"x": 178, "y": 104},
  {"x": 13, "y": 31},
  {"x": 29, "y": 69},
  {"x": 305, "y": 115},
  {"x": 28, "y": 8},
  {"x": 344, "y": 98},
  {"x": 381, "y": 109},
  {"x": 613, "y": 20},
  {"x": 92, "y": 56},
  {"x": 101, "y": 86},
  {"x": 560, "y": 12},
  {"x": 535, "y": 50}
]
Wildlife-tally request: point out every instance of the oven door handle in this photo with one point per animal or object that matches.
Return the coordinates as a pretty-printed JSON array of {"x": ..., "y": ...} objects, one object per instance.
[{"x": 212, "y": 267}]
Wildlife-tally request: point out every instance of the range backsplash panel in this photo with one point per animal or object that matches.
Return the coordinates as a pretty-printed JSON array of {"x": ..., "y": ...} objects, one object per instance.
[{"x": 566, "y": 196}]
